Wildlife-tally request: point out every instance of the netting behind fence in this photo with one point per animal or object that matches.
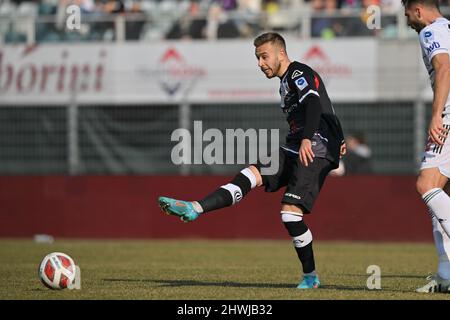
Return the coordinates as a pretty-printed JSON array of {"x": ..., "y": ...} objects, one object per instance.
[{"x": 137, "y": 139}]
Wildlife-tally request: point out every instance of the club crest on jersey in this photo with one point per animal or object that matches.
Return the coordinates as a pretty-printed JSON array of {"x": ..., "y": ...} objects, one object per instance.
[
  {"x": 296, "y": 73},
  {"x": 301, "y": 83}
]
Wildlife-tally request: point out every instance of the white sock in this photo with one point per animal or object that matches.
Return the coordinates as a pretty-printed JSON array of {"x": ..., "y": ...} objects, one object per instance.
[
  {"x": 439, "y": 203},
  {"x": 442, "y": 243},
  {"x": 197, "y": 206},
  {"x": 444, "y": 267},
  {"x": 250, "y": 175}
]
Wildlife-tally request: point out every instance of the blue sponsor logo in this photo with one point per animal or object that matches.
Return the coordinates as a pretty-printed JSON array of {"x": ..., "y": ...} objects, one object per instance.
[
  {"x": 435, "y": 45},
  {"x": 428, "y": 36},
  {"x": 301, "y": 83}
]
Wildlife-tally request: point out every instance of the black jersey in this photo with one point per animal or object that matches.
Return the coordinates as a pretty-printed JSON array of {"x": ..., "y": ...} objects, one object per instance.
[{"x": 299, "y": 82}]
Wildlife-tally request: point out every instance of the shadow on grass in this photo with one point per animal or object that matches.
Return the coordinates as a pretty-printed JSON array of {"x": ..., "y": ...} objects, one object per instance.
[
  {"x": 187, "y": 283},
  {"x": 195, "y": 283},
  {"x": 388, "y": 276},
  {"x": 364, "y": 289}
]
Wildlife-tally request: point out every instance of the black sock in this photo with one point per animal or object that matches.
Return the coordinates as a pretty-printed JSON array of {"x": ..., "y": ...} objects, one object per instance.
[
  {"x": 305, "y": 253},
  {"x": 220, "y": 198},
  {"x": 306, "y": 256},
  {"x": 228, "y": 194}
]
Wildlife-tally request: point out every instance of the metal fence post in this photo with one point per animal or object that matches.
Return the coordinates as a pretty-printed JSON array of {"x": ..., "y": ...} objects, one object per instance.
[
  {"x": 120, "y": 28},
  {"x": 72, "y": 135},
  {"x": 402, "y": 26},
  {"x": 306, "y": 23},
  {"x": 31, "y": 30},
  {"x": 419, "y": 121},
  {"x": 184, "y": 121}
]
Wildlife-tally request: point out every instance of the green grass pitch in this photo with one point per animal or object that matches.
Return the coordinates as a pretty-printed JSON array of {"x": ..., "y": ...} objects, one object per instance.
[{"x": 204, "y": 269}]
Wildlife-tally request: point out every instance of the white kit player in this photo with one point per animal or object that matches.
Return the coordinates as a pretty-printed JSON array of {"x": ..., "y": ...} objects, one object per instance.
[{"x": 434, "y": 35}]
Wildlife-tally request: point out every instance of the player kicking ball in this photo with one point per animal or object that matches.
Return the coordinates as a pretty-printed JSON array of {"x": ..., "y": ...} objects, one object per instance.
[
  {"x": 434, "y": 35},
  {"x": 313, "y": 148}
]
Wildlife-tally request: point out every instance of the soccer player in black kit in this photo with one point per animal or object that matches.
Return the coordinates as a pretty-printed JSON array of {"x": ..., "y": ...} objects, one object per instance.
[{"x": 313, "y": 148}]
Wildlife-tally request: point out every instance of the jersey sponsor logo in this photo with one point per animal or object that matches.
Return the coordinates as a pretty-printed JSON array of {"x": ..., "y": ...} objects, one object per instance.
[
  {"x": 435, "y": 45},
  {"x": 296, "y": 73},
  {"x": 301, "y": 83}
]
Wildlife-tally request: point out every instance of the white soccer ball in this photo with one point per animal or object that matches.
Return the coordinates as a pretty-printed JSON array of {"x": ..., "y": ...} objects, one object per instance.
[{"x": 57, "y": 270}]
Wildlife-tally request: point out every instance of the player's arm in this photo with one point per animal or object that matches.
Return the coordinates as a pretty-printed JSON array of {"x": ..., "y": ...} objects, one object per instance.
[
  {"x": 313, "y": 111},
  {"x": 441, "y": 65},
  {"x": 306, "y": 85},
  {"x": 343, "y": 149}
]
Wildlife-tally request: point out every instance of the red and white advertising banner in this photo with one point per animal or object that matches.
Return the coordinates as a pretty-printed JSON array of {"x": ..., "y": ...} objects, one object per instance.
[{"x": 175, "y": 72}]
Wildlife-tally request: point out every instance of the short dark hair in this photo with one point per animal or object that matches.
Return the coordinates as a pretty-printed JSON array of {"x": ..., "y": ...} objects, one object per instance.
[
  {"x": 272, "y": 37},
  {"x": 427, "y": 3}
]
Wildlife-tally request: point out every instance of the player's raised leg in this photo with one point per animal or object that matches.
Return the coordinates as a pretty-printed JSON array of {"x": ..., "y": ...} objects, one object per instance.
[{"x": 224, "y": 196}]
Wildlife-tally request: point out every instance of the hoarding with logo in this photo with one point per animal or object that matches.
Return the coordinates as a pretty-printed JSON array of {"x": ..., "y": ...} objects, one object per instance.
[{"x": 175, "y": 72}]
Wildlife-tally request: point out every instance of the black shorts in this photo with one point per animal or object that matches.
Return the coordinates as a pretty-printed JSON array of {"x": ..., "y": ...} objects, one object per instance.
[{"x": 303, "y": 183}]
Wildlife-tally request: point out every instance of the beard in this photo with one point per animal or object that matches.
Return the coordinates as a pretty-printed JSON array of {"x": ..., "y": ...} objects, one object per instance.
[
  {"x": 417, "y": 26},
  {"x": 273, "y": 71}
]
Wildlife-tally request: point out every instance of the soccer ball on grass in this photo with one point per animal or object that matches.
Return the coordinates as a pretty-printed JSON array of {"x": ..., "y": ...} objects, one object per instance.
[{"x": 57, "y": 271}]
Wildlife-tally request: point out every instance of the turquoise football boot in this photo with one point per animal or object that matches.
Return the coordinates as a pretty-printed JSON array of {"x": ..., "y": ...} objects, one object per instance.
[
  {"x": 179, "y": 208},
  {"x": 309, "y": 282}
]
